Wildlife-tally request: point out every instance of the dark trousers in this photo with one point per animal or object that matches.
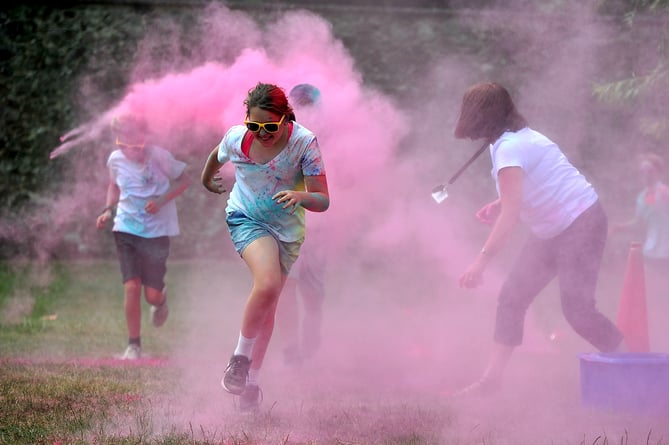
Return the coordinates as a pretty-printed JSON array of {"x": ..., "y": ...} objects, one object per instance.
[{"x": 574, "y": 256}]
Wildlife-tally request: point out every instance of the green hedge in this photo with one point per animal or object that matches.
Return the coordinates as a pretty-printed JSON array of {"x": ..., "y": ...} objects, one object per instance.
[{"x": 63, "y": 65}]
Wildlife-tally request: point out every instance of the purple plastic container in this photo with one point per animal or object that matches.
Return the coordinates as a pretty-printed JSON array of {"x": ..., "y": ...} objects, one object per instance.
[{"x": 629, "y": 382}]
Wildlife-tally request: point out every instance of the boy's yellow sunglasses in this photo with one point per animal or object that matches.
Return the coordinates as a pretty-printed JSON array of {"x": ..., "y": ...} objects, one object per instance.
[
  {"x": 269, "y": 127},
  {"x": 125, "y": 145}
]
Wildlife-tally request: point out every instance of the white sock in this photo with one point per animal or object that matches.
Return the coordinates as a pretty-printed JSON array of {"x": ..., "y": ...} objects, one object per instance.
[
  {"x": 245, "y": 346},
  {"x": 253, "y": 376}
]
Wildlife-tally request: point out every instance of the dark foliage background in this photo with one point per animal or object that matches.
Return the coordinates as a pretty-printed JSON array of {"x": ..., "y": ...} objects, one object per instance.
[{"x": 63, "y": 63}]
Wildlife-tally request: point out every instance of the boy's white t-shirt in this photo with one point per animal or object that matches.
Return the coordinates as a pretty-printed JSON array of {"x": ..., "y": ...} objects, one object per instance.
[
  {"x": 139, "y": 183},
  {"x": 256, "y": 184},
  {"x": 555, "y": 193}
]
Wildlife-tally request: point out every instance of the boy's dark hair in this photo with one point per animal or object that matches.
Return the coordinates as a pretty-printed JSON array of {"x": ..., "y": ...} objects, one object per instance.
[
  {"x": 304, "y": 94},
  {"x": 487, "y": 110}
]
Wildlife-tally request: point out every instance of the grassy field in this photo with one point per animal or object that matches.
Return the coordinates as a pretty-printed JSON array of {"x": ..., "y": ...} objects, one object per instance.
[{"x": 394, "y": 346}]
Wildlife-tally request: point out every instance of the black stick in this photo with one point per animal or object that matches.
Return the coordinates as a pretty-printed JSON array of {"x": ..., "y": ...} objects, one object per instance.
[
  {"x": 468, "y": 163},
  {"x": 457, "y": 174}
]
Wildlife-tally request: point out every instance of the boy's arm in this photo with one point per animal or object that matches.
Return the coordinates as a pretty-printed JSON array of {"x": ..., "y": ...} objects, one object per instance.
[
  {"x": 177, "y": 187},
  {"x": 113, "y": 194}
]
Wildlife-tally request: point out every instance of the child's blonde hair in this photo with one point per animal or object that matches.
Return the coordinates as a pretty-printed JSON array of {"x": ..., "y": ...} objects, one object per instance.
[{"x": 128, "y": 124}]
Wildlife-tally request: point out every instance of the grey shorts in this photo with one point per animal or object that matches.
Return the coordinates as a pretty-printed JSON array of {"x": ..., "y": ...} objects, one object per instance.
[{"x": 143, "y": 258}]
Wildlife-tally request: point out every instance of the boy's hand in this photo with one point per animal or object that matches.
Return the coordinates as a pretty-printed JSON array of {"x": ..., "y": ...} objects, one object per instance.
[{"x": 102, "y": 219}]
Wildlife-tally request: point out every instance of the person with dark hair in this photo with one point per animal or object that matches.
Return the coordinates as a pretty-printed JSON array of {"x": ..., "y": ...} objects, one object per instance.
[
  {"x": 143, "y": 183},
  {"x": 652, "y": 218},
  {"x": 300, "y": 324},
  {"x": 304, "y": 95},
  {"x": 279, "y": 173},
  {"x": 539, "y": 186}
]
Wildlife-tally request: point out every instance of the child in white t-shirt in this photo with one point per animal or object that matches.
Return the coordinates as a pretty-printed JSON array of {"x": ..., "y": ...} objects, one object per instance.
[
  {"x": 144, "y": 180},
  {"x": 279, "y": 173}
]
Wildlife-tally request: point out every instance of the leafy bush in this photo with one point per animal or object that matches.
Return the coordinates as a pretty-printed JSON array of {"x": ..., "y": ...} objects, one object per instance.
[{"x": 65, "y": 65}]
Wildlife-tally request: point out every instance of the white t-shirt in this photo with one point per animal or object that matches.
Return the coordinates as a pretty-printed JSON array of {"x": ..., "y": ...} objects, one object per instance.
[
  {"x": 255, "y": 184},
  {"x": 555, "y": 193},
  {"x": 140, "y": 182}
]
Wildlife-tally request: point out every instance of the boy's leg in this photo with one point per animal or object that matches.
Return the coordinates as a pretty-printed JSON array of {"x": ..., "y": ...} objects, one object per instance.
[
  {"x": 155, "y": 297},
  {"x": 126, "y": 247},
  {"x": 153, "y": 259},
  {"x": 133, "y": 306},
  {"x": 312, "y": 290},
  {"x": 288, "y": 320}
]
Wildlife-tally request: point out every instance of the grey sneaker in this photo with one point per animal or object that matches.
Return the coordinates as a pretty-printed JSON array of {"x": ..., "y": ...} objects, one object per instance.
[
  {"x": 236, "y": 374},
  {"x": 159, "y": 313},
  {"x": 250, "y": 398},
  {"x": 132, "y": 352}
]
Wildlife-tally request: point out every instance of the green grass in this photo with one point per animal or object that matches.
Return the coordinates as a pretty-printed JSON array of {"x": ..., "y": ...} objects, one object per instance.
[
  {"x": 59, "y": 384},
  {"x": 31, "y": 290},
  {"x": 56, "y": 382},
  {"x": 47, "y": 403},
  {"x": 51, "y": 310}
]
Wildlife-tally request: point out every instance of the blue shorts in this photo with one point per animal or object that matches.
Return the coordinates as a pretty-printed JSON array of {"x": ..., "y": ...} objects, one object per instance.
[
  {"x": 244, "y": 230},
  {"x": 143, "y": 258}
]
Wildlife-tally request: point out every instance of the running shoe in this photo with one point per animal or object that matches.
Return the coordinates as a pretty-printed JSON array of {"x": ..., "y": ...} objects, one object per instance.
[
  {"x": 132, "y": 352},
  {"x": 236, "y": 374}
]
